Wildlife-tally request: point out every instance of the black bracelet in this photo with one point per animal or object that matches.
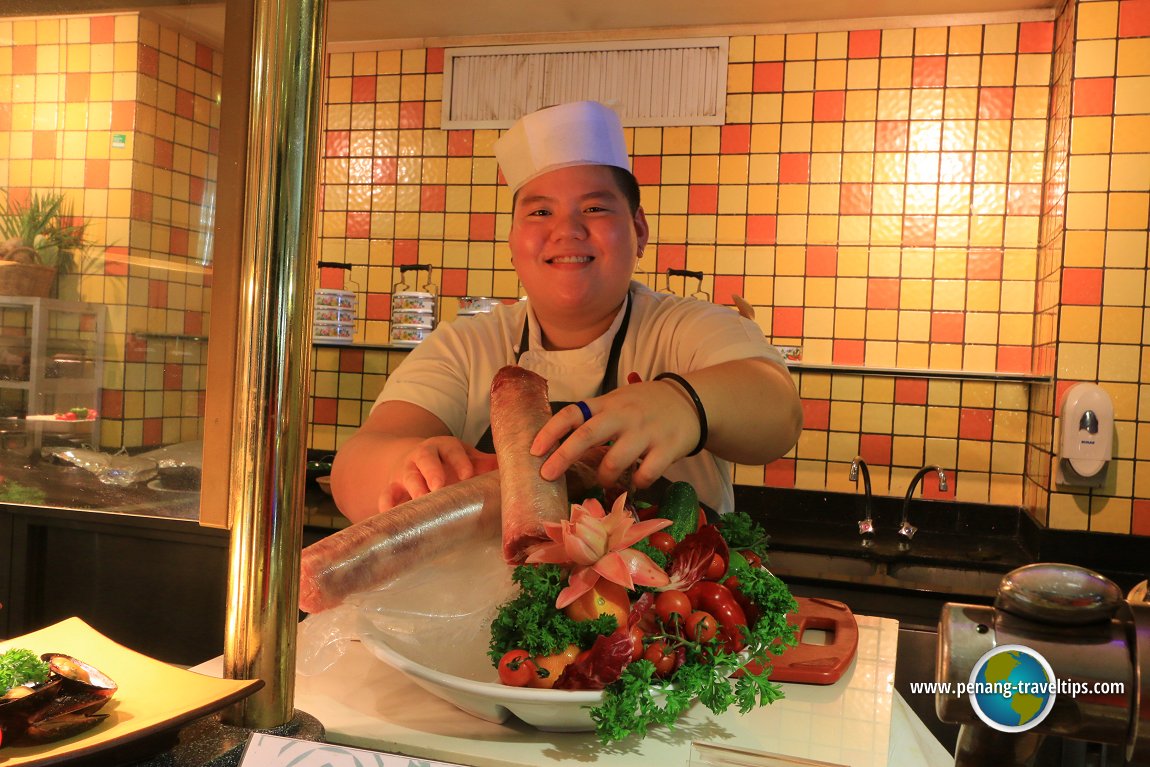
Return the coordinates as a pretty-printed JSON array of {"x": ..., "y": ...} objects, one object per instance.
[{"x": 699, "y": 409}]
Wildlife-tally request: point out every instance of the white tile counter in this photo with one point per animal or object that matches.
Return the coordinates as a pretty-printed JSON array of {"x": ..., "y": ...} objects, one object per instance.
[{"x": 363, "y": 702}]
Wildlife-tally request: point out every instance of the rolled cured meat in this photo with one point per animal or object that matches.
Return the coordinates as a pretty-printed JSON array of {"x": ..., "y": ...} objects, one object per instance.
[
  {"x": 372, "y": 552},
  {"x": 519, "y": 408}
]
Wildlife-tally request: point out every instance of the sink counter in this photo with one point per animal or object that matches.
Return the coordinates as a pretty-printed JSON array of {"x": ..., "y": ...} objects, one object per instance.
[{"x": 960, "y": 549}]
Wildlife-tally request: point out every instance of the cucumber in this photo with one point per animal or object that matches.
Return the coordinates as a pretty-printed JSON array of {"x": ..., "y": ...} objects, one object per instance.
[{"x": 681, "y": 506}]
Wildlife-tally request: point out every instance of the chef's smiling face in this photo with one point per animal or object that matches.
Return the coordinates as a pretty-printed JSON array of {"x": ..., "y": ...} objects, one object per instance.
[{"x": 575, "y": 244}]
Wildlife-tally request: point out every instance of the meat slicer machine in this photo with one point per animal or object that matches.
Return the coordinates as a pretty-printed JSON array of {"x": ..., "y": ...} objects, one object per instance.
[{"x": 1088, "y": 633}]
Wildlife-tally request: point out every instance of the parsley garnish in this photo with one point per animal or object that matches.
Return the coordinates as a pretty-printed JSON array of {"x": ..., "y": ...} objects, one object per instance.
[
  {"x": 19, "y": 667},
  {"x": 742, "y": 532},
  {"x": 531, "y": 621}
]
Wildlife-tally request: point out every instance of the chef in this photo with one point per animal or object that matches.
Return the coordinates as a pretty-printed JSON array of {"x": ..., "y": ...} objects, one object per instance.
[{"x": 676, "y": 387}]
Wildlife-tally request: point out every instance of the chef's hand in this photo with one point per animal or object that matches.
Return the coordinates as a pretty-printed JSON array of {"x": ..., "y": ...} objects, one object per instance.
[
  {"x": 434, "y": 463},
  {"x": 649, "y": 425}
]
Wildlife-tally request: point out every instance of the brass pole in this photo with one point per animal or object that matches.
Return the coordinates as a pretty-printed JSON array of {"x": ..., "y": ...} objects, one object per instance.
[{"x": 273, "y": 363}]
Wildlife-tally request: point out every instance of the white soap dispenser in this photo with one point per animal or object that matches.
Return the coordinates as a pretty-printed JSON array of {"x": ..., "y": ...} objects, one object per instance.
[{"x": 1087, "y": 436}]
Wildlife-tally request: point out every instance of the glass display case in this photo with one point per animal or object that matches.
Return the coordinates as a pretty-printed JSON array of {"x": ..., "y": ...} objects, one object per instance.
[{"x": 51, "y": 371}]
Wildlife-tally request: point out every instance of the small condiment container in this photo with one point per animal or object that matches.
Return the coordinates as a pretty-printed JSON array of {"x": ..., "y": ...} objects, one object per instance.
[
  {"x": 333, "y": 332},
  {"x": 408, "y": 335},
  {"x": 332, "y": 297},
  {"x": 412, "y": 300},
  {"x": 334, "y": 314},
  {"x": 477, "y": 304},
  {"x": 413, "y": 317}
]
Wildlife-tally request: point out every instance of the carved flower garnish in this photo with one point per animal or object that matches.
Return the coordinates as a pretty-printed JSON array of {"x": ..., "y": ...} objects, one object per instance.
[{"x": 598, "y": 545}]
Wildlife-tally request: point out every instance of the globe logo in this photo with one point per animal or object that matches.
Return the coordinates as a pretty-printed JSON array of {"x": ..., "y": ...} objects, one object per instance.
[{"x": 1012, "y": 688}]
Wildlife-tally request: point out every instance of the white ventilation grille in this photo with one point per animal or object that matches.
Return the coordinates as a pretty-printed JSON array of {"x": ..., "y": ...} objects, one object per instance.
[{"x": 650, "y": 82}]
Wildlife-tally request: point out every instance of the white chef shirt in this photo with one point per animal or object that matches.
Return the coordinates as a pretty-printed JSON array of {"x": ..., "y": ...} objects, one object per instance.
[{"x": 449, "y": 374}]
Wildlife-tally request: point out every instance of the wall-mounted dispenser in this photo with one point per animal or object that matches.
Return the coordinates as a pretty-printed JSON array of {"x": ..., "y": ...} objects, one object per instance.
[{"x": 1087, "y": 436}]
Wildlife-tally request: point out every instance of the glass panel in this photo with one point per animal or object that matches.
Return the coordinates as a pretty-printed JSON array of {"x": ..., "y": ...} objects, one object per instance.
[{"x": 109, "y": 137}]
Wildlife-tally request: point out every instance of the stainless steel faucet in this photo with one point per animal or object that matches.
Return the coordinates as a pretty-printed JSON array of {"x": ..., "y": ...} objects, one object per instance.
[
  {"x": 906, "y": 529},
  {"x": 866, "y": 524}
]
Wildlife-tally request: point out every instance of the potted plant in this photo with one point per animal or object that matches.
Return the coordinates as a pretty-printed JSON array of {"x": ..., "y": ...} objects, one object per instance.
[{"x": 39, "y": 240}]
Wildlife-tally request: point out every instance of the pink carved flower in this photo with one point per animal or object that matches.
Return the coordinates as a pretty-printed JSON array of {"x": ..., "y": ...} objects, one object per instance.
[{"x": 597, "y": 545}]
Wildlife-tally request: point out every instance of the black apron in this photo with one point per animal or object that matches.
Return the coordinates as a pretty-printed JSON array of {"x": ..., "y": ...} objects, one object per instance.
[{"x": 610, "y": 373}]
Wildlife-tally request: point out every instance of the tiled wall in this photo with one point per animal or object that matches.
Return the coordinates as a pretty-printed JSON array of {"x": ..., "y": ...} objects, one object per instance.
[
  {"x": 876, "y": 194},
  {"x": 884, "y": 197},
  {"x": 122, "y": 114},
  {"x": 1093, "y": 280}
]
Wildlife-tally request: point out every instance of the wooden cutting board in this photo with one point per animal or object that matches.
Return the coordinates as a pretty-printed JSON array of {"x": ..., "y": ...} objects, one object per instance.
[{"x": 819, "y": 663}]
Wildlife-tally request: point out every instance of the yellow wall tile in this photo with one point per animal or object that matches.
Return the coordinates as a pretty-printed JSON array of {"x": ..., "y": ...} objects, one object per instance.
[{"x": 1097, "y": 20}]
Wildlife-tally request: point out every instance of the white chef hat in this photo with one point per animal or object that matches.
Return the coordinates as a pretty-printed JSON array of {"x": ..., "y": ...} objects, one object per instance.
[{"x": 577, "y": 133}]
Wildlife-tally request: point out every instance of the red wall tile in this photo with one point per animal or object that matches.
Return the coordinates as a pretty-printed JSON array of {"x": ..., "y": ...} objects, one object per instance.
[
  {"x": 910, "y": 391},
  {"x": 1036, "y": 37},
  {"x": 780, "y": 473},
  {"x": 848, "y": 352},
  {"x": 324, "y": 410},
  {"x": 735, "y": 139},
  {"x": 855, "y": 199},
  {"x": 761, "y": 230},
  {"x": 727, "y": 285},
  {"x": 351, "y": 360},
  {"x": 378, "y": 306},
  {"x": 454, "y": 282},
  {"x": 864, "y": 44},
  {"x": 794, "y": 167},
  {"x": 829, "y": 106},
  {"x": 822, "y": 261},
  {"x": 481, "y": 227},
  {"x": 363, "y": 88},
  {"x": 929, "y": 72},
  {"x": 787, "y": 321},
  {"x": 1093, "y": 96},
  {"x": 876, "y": 449},
  {"x": 816, "y": 414},
  {"x": 670, "y": 256},
  {"x": 882, "y": 292},
  {"x": 767, "y": 77},
  {"x": 976, "y": 423},
  {"x": 947, "y": 327},
  {"x": 647, "y": 169},
  {"x": 1082, "y": 286},
  {"x": 460, "y": 143},
  {"x": 1134, "y": 18},
  {"x": 703, "y": 198}
]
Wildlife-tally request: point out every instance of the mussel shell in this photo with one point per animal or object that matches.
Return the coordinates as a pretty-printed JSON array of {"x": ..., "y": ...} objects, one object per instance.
[
  {"x": 16, "y": 713},
  {"x": 57, "y": 728},
  {"x": 79, "y": 677}
]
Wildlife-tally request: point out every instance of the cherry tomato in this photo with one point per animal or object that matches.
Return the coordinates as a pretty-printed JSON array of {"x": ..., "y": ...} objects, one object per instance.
[
  {"x": 750, "y": 609},
  {"x": 672, "y": 606},
  {"x": 661, "y": 540},
  {"x": 516, "y": 668},
  {"x": 553, "y": 665},
  {"x": 637, "y": 635},
  {"x": 663, "y": 658},
  {"x": 716, "y": 599},
  {"x": 701, "y": 626},
  {"x": 753, "y": 559},
  {"x": 717, "y": 569}
]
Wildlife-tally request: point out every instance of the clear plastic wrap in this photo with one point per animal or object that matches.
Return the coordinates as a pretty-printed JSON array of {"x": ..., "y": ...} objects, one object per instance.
[
  {"x": 121, "y": 469},
  {"x": 437, "y": 614}
]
